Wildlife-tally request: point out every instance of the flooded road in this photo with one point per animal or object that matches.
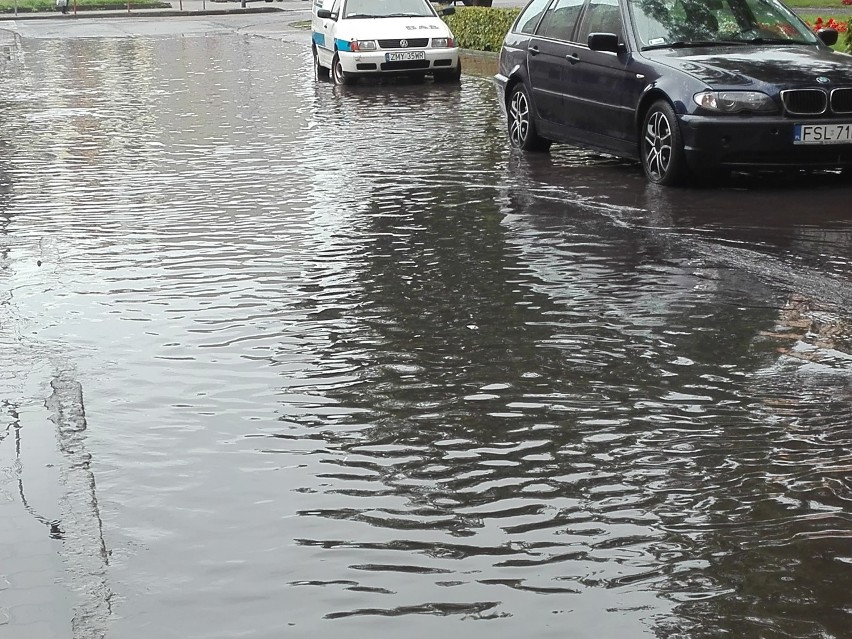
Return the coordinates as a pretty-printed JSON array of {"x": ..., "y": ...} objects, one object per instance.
[{"x": 285, "y": 360}]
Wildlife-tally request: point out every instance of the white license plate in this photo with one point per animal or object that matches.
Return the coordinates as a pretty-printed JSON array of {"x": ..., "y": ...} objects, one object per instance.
[
  {"x": 405, "y": 56},
  {"x": 822, "y": 134}
]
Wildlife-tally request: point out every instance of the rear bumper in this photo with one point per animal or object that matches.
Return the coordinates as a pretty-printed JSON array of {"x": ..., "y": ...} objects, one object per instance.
[
  {"x": 500, "y": 82},
  {"x": 756, "y": 142}
]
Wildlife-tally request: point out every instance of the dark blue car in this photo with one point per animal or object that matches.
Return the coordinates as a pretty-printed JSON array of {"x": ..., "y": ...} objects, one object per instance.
[{"x": 686, "y": 87}]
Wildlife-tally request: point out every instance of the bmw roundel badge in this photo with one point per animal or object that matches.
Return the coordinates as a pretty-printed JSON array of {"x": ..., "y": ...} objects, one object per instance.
[{"x": 823, "y": 80}]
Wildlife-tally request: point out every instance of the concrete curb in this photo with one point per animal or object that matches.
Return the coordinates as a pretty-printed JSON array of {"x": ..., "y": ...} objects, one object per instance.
[{"x": 138, "y": 13}]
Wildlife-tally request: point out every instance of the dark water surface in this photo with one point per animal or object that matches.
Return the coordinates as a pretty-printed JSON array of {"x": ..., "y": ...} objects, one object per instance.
[{"x": 280, "y": 359}]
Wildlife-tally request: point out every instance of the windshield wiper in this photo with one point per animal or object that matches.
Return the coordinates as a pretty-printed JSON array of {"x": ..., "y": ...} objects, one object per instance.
[
  {"x": 685, "y": 44},
  {"x": 760, "y": 40},
  {"x": 403, "y": 15}
]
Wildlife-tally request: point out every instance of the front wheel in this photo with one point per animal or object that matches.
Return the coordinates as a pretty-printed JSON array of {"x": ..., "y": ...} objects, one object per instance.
[
  {"x": 522, "y": 132},
  {"x": 449, "y": 77},
  {"x": 663, "y": 158},
  {"x": 337, "y": 73}
]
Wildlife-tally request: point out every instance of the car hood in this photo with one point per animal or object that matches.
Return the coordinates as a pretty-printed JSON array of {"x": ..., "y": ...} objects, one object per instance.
[
  {"x": 395, "y": 28},
  {"x": 742, "y": 66}
]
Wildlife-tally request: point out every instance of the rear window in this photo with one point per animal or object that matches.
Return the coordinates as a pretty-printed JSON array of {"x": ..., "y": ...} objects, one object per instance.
[{"x": 528, "y": 20}]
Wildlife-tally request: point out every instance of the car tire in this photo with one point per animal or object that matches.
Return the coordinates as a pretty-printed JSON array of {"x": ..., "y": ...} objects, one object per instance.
[
  {"x": 449, "y": 77},
  {"x": 337, "y": 73},
  {"x": 320, "y": 72},
  {"x": 522, "y": 131},
  {"x": 662, "y": 154}
]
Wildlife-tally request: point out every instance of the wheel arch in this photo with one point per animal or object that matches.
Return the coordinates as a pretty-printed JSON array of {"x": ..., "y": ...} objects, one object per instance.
[
  {"x": 653, "y": 95},
  {"x": 515, "y": 78}
]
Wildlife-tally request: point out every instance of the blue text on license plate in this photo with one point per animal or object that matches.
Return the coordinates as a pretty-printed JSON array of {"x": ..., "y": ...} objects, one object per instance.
[
  {"x": 404, "y": 56},
  {"x": 836, "y": 133}
]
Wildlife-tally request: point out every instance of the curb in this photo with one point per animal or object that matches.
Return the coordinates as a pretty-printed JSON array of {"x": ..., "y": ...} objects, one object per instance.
[{"x": 138, "y": 13}]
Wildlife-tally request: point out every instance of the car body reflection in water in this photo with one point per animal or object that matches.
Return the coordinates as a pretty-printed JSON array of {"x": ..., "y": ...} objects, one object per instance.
[{"x": 351, "y": 366}]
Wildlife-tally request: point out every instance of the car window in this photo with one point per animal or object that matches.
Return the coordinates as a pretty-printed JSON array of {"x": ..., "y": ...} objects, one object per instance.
[
  {"x": 560, "y": 19},
  {"x": 335, "y": 7},
  {"x": 602, "y": 16},
  {"x": 528, "y": 20},
  {"x": 662, "y": 22},
  {"x": 387, "y": 9}
]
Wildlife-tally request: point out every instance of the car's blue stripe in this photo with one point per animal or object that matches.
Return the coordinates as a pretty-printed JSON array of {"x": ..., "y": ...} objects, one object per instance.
[
  {"x": 343, "y": 45},
  {"x": 319, "y": 39}
]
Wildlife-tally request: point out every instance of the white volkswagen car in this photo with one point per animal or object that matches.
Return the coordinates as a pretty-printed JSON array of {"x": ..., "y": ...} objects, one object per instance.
[{"x": 358, "y": 38}]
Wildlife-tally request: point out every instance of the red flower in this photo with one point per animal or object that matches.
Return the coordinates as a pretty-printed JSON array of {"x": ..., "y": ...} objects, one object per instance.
[{"x": 840, "y": 27}]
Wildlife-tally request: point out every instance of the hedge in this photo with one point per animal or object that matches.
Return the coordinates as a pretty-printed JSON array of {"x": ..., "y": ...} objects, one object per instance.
[{"x": 481, "y": 28}]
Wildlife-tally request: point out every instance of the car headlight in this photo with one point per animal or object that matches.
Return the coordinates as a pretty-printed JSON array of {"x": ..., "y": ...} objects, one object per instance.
[
  {"x": 734, "y": 101},
  {"x": 364, "y": 45},
  {"x": 443, "y": 43}
]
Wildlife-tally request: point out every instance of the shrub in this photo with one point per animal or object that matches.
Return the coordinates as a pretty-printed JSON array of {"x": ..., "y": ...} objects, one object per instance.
[{"x": 481, "y": 28}]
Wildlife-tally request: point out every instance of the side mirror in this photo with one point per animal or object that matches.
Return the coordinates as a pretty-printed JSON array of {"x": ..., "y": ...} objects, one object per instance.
[
  {"x": 325, "y": 14},
  {"x": 604, "y": 42},
  {"x": 828, "y": 36},
  {"x": 447, "y": 11}
]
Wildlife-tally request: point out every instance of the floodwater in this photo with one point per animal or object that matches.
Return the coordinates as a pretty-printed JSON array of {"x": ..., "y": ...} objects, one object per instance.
[{"x": 286, "y": 360}]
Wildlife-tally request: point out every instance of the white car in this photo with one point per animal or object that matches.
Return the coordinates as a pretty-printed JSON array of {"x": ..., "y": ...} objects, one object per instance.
[{"x": 358, "y": 38}]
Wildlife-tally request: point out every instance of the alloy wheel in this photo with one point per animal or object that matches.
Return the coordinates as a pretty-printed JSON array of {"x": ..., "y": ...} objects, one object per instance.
[
  {"x": 658, "y": 145},
  {"x": 519, "y": 118}
]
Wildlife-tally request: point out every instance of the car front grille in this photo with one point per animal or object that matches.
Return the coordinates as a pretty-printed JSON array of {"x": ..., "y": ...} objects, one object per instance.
[
  {"x": 805, "y": 101},
  {"x": 409, "y": 44},
  {"x": 841, "y": 101}
]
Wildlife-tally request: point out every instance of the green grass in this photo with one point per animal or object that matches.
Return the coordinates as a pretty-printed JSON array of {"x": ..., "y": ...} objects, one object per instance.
[
  {"x": 807, "y": 4},
  {"x": 8, "y": 6}
]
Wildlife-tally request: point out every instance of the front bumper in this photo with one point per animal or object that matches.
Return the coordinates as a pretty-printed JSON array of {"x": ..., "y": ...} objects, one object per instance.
[
  {"x": 756, "y": 143},
  {"x": 375, "y": 62}
]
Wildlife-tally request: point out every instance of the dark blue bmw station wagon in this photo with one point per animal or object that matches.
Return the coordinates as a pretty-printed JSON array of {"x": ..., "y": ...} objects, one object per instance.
[{"x": 686, "y": 87}]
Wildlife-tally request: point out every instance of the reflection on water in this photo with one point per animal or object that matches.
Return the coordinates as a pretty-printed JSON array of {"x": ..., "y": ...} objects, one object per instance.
[{"x": 350, "y": 365}]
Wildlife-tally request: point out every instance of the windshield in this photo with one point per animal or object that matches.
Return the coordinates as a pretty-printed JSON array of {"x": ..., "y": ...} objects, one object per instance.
[
  {"x": 665, "y": 23},
  {"x": 387, "y": 9}
]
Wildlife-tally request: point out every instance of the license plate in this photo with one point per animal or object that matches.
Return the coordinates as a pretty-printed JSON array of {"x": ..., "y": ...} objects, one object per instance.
[
  {"x": 822, "y": 134},
  {"x": 404, "y": 56}
]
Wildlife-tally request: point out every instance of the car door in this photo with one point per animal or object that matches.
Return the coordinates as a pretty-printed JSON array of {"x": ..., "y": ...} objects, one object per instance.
[
  {"x": 327, "y": 30},
  {"x": 603, "y": 88},
  {"x": 547, "y": 58}
]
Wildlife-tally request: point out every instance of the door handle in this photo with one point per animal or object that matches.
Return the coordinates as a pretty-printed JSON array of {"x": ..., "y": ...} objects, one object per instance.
[
  {"x": 533, "y": 50},
  {"x": 573, "y": 58}
]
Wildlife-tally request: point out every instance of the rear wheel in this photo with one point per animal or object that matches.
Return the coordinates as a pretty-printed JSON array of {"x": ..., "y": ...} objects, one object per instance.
[
  {"x": 320, "y": 72},
  {"x": 337, "y": 73},
  {"x": 663, "y": 158},
  {"x": 522, "y": 132}
]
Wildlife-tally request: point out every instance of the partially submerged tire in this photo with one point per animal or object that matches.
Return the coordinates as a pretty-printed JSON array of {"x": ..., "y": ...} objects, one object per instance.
[
  {"x": 453, "y": 76},
  {"x": 662, "y": 153},
  {"x": 337, "y": 73},
  {"x": 522, "y": 131}
]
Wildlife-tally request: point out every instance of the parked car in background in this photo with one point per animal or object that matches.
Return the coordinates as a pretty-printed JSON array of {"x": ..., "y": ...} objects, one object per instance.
[
  {"x": 359, "y": 38},
  {"x": 686, "y": 87}
]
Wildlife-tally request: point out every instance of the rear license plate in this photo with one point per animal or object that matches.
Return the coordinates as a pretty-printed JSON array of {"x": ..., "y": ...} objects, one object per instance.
[
  {"x": 822, "y": 134},
  {"x": 404, "y": 56}
]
